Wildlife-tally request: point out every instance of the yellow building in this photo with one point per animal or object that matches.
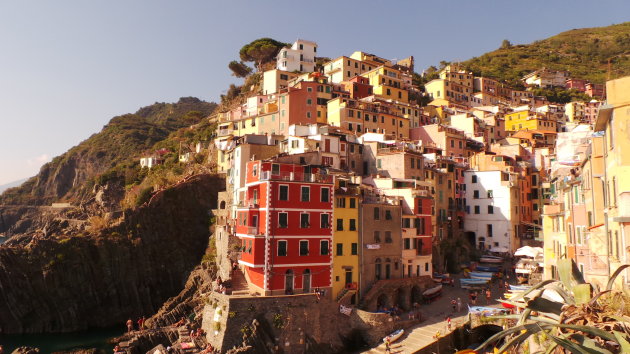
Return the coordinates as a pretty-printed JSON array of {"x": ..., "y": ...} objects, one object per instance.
[
  {"x": 367, "y": 117},
  {"x": 526, "y": 120},
  {"x": 613, "y": 120},
  {"x": 346, "y": 242},
  {"x": 345, "y": 68},
  {"x": 387, "y": 83}
]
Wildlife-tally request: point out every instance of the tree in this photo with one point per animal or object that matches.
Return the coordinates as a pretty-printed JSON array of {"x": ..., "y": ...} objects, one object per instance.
[
  {"x": 443, "y": 64},
  {"x": 506, "y": 44},
  {"x": 239, "y": 69},
  {"x": 261, "y": 51}
]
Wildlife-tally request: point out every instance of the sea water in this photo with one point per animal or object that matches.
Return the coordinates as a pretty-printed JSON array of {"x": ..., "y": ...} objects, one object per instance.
[{"x": 49, "y": 343}]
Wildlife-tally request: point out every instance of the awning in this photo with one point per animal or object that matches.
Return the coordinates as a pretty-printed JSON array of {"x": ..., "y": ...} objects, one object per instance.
[{"x": 531, "y": 224}]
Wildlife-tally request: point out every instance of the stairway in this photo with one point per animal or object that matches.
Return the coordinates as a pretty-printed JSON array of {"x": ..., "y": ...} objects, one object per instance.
[{"x": 239, "y": 284}]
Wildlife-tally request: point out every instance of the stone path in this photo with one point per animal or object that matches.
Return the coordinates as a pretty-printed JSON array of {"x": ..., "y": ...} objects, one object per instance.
[{"x": 422, "y": 335}]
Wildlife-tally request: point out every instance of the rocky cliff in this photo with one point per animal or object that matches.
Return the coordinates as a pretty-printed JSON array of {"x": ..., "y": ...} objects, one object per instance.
[{"x": 57, "y": 281}]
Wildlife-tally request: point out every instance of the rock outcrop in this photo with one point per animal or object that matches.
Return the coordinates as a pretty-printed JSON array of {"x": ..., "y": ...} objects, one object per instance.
[{"x": 52, "y": 283}]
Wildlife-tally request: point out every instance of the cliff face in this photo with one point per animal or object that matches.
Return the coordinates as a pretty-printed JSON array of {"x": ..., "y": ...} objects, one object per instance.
[{"x": 54, "y": 283}]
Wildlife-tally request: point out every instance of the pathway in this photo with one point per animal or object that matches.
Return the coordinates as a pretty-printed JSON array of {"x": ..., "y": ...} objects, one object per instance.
[{"x": 422, "y": 335}]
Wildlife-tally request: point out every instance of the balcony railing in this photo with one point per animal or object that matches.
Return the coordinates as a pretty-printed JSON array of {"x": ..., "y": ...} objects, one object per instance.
[
  {"x": 224, "y": 132},
  {"x": 296, "y": 177},
  {"x": 253, "y": 230}
]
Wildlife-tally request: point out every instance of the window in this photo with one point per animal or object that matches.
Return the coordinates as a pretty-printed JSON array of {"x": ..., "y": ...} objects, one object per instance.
[
  {"x": 303, "y": 248},
  {"x": 476, "y": 194},
  {"x": 490, "y": 193},
  {"x": 275, "y": 169},
  {"x": 304, "y": 220},
  {"x": 306, "y": 194},
  {"x": 282, "y": 248},
  {"x": 353, "y": 202},
  {"x": 324, "y": 221},
  {"x": 339, "y": 224},
  {"x": 477, "y": 209},
  {"x": 325, "y": 194},
  {"x": 489, "y": 230},
  {"x": 283, "y": 193},
  {"x": 323, "y": 247},
  {"x": 377, "y": 213},
  {"x": 353, "y": 225},
  {"x": 377, "y": 236},
  {"x": 490, "y": 209},
  {"x": 474, "y": 178},
  {"x": 283, "y": 220},
  {"x": 355, "y": 249},
  {"x": 407, "y": 243},
  {"x": 388, "y": 237},
  {"x": 341, "y": 202},
  {"x": 388, "y": 214},
  {"x": 339, "y": 249}
]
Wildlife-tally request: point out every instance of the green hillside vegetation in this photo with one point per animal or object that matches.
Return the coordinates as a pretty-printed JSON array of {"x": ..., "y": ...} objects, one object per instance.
[
  {"x": 582, "y": 52},
  {"x": 112, "y": 152}
]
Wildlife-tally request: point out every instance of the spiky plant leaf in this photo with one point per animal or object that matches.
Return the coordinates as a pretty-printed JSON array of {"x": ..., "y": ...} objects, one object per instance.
[
  {"x": 594, "y": 331},
  {"x": 582, "y": 293},
  {"x": 611, "y": 281},
  {"x": 528, "y": 328},
  {"x": 570, "y": 346},
  {"x": 588, "y": 343},
  {"x": 623, "y": 342},
  {"x": 541, "y": 304},
  {"x": 569, "y": 273}
]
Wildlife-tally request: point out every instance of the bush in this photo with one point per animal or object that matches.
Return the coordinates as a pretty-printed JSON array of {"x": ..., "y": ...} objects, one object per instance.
[{"x": 144, "y": 196}]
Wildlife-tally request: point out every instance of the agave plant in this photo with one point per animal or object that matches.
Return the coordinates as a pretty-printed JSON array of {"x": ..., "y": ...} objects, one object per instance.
[{"x": 570, "y": 314}]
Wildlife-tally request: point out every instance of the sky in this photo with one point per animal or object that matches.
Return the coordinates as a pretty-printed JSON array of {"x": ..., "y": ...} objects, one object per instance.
[{"x": 68, "y": 67}]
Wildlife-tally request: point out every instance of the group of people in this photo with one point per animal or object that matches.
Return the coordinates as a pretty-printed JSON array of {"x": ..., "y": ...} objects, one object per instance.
[
  {"x": 220, "y": 287},
  {"x": 140, "y": 322}
]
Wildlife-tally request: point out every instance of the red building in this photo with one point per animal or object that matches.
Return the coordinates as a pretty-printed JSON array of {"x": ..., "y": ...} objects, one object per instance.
[
  {"x": 359, "y": 87},
  {"x": 577, "y": 84},
  {"x": 596, "y": 90},
  {"x": 285, "y": 228},
  {"x": 423, "y": 209}
]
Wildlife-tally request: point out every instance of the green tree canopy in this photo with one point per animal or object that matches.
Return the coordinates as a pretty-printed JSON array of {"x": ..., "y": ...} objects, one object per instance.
[
  {"x": 239, "y": 69},
  {"x": 261, "y": 51}
]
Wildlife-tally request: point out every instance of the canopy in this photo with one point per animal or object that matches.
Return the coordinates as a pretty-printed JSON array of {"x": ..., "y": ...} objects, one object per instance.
[{"x": 528, "y": 251}]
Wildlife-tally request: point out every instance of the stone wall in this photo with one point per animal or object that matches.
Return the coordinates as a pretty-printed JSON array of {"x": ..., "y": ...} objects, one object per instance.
[{"x": 292, "y": 324}]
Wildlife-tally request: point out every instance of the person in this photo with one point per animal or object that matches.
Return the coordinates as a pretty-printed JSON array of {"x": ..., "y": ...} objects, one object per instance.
[
  {"x": 1, "y": 350},
  {"x": 459, "y": 304},
  {"x": 141, "y": 323},
  {"x": 473, "y": 297},
  {"x": 448, "y": 323},
  {"x": 180, "y": 322},
  {"x": 454, "y": 305},
  {"x": 129, "y": 325},
  {"x": 117, "y": 350},
  {"x": 208, "y": 349},
  {"x": 488, "y": 296},
  {"x": 388, "y": 345}
]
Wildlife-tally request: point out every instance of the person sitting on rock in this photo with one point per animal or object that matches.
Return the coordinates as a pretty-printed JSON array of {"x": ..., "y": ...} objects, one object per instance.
[{"x": 129, "y": 325}]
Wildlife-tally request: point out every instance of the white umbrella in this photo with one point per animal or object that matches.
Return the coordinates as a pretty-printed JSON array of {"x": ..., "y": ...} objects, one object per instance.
[{"x": 528, "y": 251}]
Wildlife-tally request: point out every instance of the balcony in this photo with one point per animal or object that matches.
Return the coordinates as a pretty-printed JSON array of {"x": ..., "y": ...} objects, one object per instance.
[
  {"x": 253, "y": 230},
  {"x": 296, "y": 177},
  {"x": 224, "y": 132}
]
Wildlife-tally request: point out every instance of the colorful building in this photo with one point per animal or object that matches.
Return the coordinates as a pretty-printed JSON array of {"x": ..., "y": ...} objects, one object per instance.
[{"x": 284, "y": 224}]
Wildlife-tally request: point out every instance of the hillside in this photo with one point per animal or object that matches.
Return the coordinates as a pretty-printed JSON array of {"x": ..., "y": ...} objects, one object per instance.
[
  {"x": 583, "y": 52},
  {"x": 119, "y": 144}
]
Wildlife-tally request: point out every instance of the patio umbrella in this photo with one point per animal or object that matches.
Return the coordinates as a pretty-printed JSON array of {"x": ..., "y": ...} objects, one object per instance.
[{"x": 528, "y": 251}]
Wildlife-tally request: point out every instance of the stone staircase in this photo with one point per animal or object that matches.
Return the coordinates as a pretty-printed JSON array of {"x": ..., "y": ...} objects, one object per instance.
[
  {"x": 239, "y": 283},
  {"x": 420, "y": 336}
]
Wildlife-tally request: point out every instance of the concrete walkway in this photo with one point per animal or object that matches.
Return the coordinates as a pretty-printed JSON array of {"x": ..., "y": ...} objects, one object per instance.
[{"x": 423, "y": 334}]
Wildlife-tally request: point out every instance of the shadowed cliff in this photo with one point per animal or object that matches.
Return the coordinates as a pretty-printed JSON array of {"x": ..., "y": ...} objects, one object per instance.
[{"x": 61, "y": 283}]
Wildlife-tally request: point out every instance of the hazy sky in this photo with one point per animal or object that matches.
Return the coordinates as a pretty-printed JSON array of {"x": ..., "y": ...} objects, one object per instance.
[{"x": 67, "y": 67}]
